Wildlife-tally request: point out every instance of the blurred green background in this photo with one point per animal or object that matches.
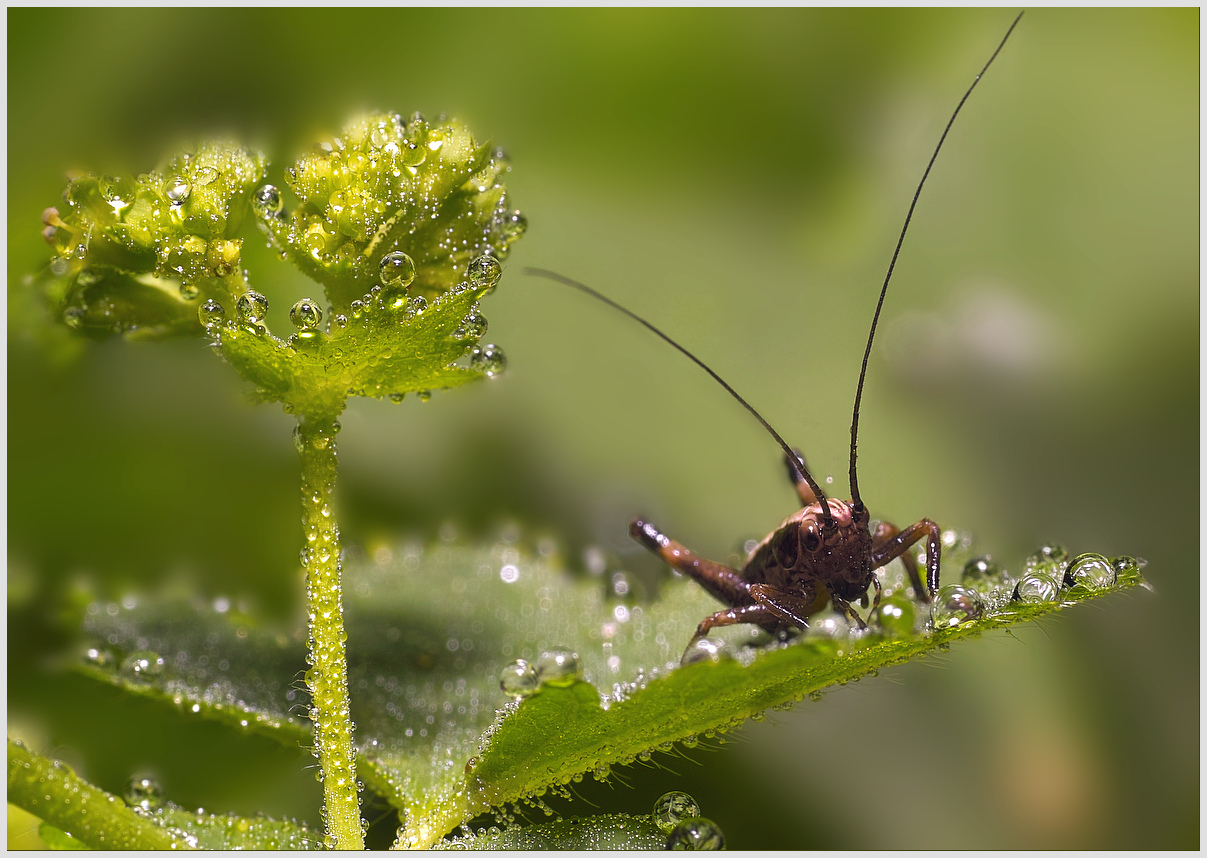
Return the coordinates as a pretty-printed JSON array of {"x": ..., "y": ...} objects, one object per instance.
[{"x": 738, "y": 177}]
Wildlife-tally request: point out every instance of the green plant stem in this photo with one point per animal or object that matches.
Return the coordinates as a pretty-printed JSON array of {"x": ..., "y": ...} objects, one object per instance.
[
  {"x": 52, "y": 791},
  {"x": 327, "y": 677}
]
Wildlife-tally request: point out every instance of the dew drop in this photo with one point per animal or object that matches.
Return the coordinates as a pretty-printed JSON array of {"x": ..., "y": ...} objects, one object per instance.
[
  {"x": 143, "y": 664},
  {"x": 98, "y": 657},
  {"x": 559, "y": 667},
  {"x": 1092, "y": 571},
  {"x": 397, "y": 270},
  {"x": 73, "y": 317},
  {"x": 397, "y": 397},
  {"x": 1126, "y": 564},
  {"x": 985, "y": 576},
  {"x": 176, "y": 190},
  {"x": 143, "y": 792},
  {"x": 1052, "y": 559},
  {"x": 206, "y": 175},
  {"x": 673, "y": 808},
  {"x": 118, "y": 192},
  {"x": 305, "y": 315},
  {"x": 514, "y": 226},
  {"x": 484, "y": 272},
  {"x": 489, "y": 359},
  {"x": 519, "y": 679},
  {"x": 1035, "y": 588},
  {"x": 471, "y": 327},
  {"x": 696, "y": 834},
  {"x": 267, "y": 200},
  {"x": 829, "y": 624},
  {"x": 955, "y": 605},
  {"x": 59, "y": 266},
  {"x": 189, "y": 291},
  {"x": 424, "y": 395},
  {"x": 705, "y": 649},
  {"x": 252, "y": 307},
  {"x": 211, "y": 313},
  {"x": 895, "y": 616},
  {"x": 416, "y": 305}
]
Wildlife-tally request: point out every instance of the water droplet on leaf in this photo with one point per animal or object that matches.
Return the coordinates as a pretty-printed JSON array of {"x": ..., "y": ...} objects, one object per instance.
[
  {"x": 985, "y": 576},
  {"x": 267, "y": 200},
  {"x": 211, "y": 313},
  {"x": 143, "y": 664},
  {"x": 1036, "y": 588},
  {"x": 559, "y": 667},
  {"x": 305, "y": 315},
  {"x": 955, "y": 605},
  {"x": 673, "y": 808},
  {"x": 705, "y": 649},
  {"x": 895, "y": 616},
  {"x": 519, "y": 679},
  {"x": 176, "y": 190},
  {"x": 484, "y": 272},
  {"x": 252, "y": 307},
  {"x": 118, "y": 192},
  {"x": 1092, "y": 571},
  {"x": 143, "y": 792},
  {"x": 397, "y": 270},
  {"x": 514, "y": 226},
  {"x": 189, "y": 292},
  {"x": 697, "y": 834},
  {"x": 488, "y": 359},
  {"x": 471, "y": 327},
  {"x": 206, "y": 175}
]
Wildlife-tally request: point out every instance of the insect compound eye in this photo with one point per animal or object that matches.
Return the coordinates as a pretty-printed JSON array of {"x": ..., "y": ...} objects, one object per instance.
[
  {"x": 810, "y": 539},
  {"x": 786, "y": 548}
]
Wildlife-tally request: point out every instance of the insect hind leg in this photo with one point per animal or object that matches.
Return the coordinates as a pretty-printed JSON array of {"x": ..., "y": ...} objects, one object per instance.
[{"x": 722, "y": 582}]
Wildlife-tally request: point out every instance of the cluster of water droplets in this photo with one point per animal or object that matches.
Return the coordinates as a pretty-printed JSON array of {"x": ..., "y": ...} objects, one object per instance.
[
  {"x": 1050, "y": 575},
  {"x": 111, "y": 233},
  {"x": 555, "y": 668},
  {"x": 386, "y": 180}
]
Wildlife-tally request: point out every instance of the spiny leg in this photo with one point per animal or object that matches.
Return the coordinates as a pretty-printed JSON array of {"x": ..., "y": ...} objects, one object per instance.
[
  {"x": 803, "y": 491},
  {"x": 722, "y": 582},
  {"x": 898, "y": 543},
  {"x": 886, "y": 531},
  {"x": 791, "y": 608},
  {"x": 758, "y": 614}
]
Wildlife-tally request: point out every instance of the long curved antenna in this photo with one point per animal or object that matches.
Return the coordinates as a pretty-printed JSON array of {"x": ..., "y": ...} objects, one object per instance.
[
  {"x": 792, "y": 454},
  {"x": 863, "y": 371}
]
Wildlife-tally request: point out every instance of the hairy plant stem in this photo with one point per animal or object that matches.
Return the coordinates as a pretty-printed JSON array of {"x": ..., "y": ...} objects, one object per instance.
[{"x": 327, "y": 677}]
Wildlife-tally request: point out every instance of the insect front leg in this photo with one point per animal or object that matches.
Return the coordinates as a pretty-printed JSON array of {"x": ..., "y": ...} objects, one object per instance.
[
  {"x": 888, "y": 544},
  {"x": 758, "y": 613},
  {"x": 722, "y": 582},
  {"x": 791, "y": 608}
]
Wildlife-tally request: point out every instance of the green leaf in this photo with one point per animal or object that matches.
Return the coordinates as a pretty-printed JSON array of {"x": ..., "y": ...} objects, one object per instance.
[
  {"x": 387, "y": 184},
  {"x": 76, "y": 812},
  {"x": 217, "y": 664},
  {"x": 389, "y": 347},
  {"x": 431, "y": 630},
  {"x": 56, "y": 839},
  {"x": 611, "y": 832}
]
